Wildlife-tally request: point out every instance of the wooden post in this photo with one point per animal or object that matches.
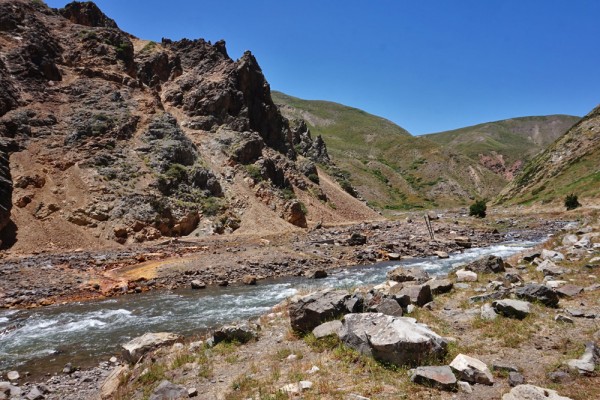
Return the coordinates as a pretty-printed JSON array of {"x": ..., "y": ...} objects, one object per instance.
[{"x": 429, "y": 228}]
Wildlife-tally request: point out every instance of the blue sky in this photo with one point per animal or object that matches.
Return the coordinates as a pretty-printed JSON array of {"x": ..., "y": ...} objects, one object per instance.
[{"x": 426, "y": 65}]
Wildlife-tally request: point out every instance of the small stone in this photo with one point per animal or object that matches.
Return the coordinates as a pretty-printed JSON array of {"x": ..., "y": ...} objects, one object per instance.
[
  {"x": 441, "y": 254},
  {"x": 313, "y": 370},
  {"x": 35, "y": 394},
  {"x": 563, "y": 318},
  {"x": 393, "y": 256},
  {"x": 438, "y": 377},
  {"x": 471, "y": 370},
  {"x": 587, "y": 363},
  {"x": 113, "y": 360},
  {"x": 569, "y": 290},
  {"x": 488, "y": 313},
  {"x": 515, "y": 379},
  {"x": 463, "y": 275},
  {"x": 465, "y": 387},
  {"x": 512, "y": 308},
  {"x": 249, "y": 280},
  {"x": 196, "y": 284},
  {"x": 192, "y": 392},
  {"x": 504, "y": 367},
  {"x": 560, "y": 377},
  {"x": 327, "y": 329},
  {"x": 13, "y": 376},
  {"x": 530, "y": 392}
]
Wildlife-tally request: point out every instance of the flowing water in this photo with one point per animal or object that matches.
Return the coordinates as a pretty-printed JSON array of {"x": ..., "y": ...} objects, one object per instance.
[{"x": 44, "y": 339}]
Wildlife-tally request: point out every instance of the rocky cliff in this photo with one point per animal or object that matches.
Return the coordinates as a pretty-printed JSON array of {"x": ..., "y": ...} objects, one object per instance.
[{"x": 107, "y": 138}]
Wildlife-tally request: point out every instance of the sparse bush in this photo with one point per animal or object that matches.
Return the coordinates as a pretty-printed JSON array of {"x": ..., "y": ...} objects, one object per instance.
[
  {"x": 478, "y": 209},
  {"x": 571, "y": 202},
  {"x": 254, "y": 172},
  {"x": 314, "y": 178}
]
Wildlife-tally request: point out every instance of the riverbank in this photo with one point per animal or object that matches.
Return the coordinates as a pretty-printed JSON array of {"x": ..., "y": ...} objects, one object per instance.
[
  {"x": 448, "y": 313},
  {"x": 46, "y": 279}
]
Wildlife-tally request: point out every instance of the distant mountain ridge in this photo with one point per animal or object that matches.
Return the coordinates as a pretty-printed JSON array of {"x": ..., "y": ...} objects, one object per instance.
[
  {"x": 569, "y": 165},
  {"x": 389, "y": 167},
  {"x": 505, "y": 146}
]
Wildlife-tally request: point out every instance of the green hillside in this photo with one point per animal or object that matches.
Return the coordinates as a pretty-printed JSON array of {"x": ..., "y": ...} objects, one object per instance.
[
  {"x": 390, "y": 168},
  {"x": 505, "y": 146},
  {"x": 569, "y": 165}
]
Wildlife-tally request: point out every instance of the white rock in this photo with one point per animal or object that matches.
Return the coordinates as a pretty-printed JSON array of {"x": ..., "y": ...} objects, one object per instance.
[
  {"x": 112, "y": 382},
  {"x": 13, "y": 376},
  {"x": 555, "y": 284},
  {"x": 462, "y": 275},
  {"x": 552, "y": 255},
  {"x": 471, "y": 370},
  {"x": 137, "y": 347},
  {"x": 530, "y": 392},
  {"x": 314, "y": 369},
  {"x": 465, "y": 387}
]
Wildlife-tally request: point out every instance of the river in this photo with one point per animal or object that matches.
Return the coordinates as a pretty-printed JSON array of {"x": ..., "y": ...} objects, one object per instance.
[{"x": 45, "y": 339}]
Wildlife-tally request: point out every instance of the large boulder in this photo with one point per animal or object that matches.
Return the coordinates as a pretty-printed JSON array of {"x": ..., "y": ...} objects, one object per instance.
[
  {"x": 395, "y": 340},
  {"x": 405, "y": 274},
  {"x": 136, "y": 348},
  {"x": 307, "y": 312},
  {"x": 440, "y": 286},
  {"x": 472, "y": 370},
  {"x": 487, "y": 265},
  {"x": 541, "y": 293},
  {"x": 418, "y": 294},
  {"x": 530, "y": 392}
]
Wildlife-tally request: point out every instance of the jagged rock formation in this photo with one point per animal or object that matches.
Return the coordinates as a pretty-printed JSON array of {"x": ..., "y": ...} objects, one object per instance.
[
  {"x": 105, "y": 137},
  {"x": 569, "y": 165}
]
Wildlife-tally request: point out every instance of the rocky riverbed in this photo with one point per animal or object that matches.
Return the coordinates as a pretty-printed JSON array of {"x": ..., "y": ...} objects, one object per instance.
[
  {"x": 47, "y": 278},
  {"x": 534, "y": 322}
]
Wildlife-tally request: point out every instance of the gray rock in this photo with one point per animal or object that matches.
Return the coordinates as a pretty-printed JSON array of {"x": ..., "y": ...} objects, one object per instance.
[
  {"x": 437, "y": 377},
  {"x": 581, "y": 313},
  {"x": 388, "y": 307},
  {"x": 488, "y": 312},
  {"x": 394, "y": 256},
  {"x": 569, "y": 240},
  {"x": 587, "y": 363},
  {"x": 472, "y": 370},
  {"x": 356, "y": 239},
  {"x": 531, "y": 255},
  {"x": 512, "y": 308},
  {"x": 535, "y": 292},
  {"x": 488, "y": 296},
  {"x": 418, "y": 294},
  {"x": 515, "y": 379},
  {"x": 35, "y": 394},
  {"x": 13, "y": 375},
  {"x": 563, "y": 318},
  {"x": 112, "y": 382},
  {"x": 308, "y": 312},
  {"x": 316, "y": 274},
  {"x": 355, "y": 303},
  {"x": 241, "y": 333},
  {"x": 196, "y": 284},
  {"x": 463, "y": 242},
  {"x": 440, "y": 286},
  {"x": 169, "y": 391},
  {"x": 395, "y": 340},
  {"x": 530, "y": 392},
  {"x": 560, "y": 377},
  {"x": 404, "y": 274},
  {"x": 462, "y": 275},
  {"x": 327, "y": 329},
  {"x": 504, "y": 367},
  {"x": 465, "y": 387},
  {"x": 139, "y": 346},
  {"x": 192, "y": 392},
  {"x": 569, "y": 290},
  {"x": 548, "y": 268},
  {"x": 552, "y": 255},
  {"x": 487, "y": 265}
]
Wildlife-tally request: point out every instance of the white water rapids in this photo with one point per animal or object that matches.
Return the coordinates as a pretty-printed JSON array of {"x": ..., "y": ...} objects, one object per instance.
[{"x": 47, "y": 338}]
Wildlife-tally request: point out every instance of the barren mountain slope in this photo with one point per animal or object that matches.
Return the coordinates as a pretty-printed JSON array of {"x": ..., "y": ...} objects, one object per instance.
[{"x": 106, "y": 138}]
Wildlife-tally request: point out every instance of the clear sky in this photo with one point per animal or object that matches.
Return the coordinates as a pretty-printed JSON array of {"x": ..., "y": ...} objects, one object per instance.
[{"x": 426, "y": 65}]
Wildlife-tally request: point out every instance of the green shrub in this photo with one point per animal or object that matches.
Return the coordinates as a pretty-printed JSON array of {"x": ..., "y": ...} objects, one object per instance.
[
  {"x": 571, "y": 202},
  {"x": 254, "y": 172},
  {"x": 478, "y": 209},
  {"x": 314, "y": 178}
]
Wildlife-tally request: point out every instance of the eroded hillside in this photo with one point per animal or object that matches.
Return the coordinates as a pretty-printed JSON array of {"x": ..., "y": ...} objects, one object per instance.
[
  {"x": 569, "y": 165},
  {"x": 107, "y": 138},
  {"x": 390, "y": 168}
]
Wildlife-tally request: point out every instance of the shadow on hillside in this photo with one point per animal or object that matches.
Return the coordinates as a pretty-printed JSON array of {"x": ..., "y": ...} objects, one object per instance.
[{"x": 8, "y": 236}]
